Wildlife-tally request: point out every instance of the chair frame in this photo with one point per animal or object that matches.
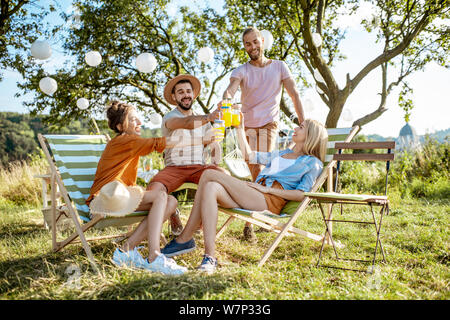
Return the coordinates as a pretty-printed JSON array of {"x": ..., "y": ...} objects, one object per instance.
[
  {"x": 368, "y": 200},
  {"x": 97, "y": 220},
  {"x": 271, "y": 222}
]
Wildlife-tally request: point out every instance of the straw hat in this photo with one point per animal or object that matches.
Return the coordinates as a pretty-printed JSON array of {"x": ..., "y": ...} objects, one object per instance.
[
  {"x": 196, "y": 86},
  {"x": 117, "y": 200}
]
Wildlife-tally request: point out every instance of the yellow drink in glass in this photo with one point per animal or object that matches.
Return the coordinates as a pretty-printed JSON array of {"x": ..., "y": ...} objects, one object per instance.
[
  {"x": 235, "y": 120},
  {"x": 236, "y": 115},
  {"x": 227, "y": 116},
  {"x": 220, "y": 125}
]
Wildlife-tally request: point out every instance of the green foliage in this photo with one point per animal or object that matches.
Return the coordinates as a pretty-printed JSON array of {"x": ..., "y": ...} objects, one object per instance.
[
  {"x": 435, "y": 187},
  {"x": 405, "y": 102},
  {"x": 18, "y": 134},
  {"x": 20, "y": 25},
  {"x": 16, "y": 139},
  {"x": 415, "y": 237},
  {"x": 424, "y": 173},
  {"x": 405, "y": 28},
  {"x": 18, "y": 184},
  {"x": 121, "y": 30},
  {"x": 361, "y": 177}
]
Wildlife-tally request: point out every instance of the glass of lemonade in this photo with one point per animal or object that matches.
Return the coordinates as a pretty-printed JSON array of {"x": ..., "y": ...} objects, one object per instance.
[
  {"x": 226, "y": 112},
  {"x": 219, "y": 125},
  {"x": 236, "y": 115}
]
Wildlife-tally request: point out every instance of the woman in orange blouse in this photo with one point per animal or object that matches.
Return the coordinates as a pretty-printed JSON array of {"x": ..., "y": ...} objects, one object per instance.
[{"x": 119, "y": 162}]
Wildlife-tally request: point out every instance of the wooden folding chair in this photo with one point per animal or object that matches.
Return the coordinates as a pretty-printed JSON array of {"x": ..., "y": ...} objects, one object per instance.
[
  {"x": 73, "y": 162},
  {"x": 292, "y": 209},
  {"x": 370, "y": 200}
]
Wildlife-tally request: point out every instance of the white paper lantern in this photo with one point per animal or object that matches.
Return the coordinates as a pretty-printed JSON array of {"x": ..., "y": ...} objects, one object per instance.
[
  {"x": 309, "y": 105},
  {"x": 93, "y": 58},
  {"x": 205, "y": 54},
  {"x": 48, "y": 85},
  {"x": 155, "y": 118},
  {"x": 171, "y": 9},
  {"x": 146, "y": 62},
  {"x": 268, "y": 39},
  {"x": 347, "y": 115},
  {"x": 41, "y": 50},
  {"x": 318, "y": 76},
  {"x": 316, "y": 39},
  {"x": 83, "y": 103}
]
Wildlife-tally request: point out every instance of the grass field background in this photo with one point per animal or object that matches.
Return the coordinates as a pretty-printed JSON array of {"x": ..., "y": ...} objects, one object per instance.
[{"x": 415, "y": 237}]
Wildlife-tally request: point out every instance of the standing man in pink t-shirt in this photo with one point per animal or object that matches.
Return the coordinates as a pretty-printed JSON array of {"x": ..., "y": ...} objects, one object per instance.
[{"x": 261, "y": 81}]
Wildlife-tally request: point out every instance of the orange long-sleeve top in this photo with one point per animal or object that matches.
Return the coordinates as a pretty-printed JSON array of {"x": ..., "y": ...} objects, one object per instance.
[{"x": 120, "y": 160}]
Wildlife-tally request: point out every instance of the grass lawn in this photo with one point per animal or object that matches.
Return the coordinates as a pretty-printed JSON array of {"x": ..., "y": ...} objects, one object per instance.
[{"x": 415, "y": 237}]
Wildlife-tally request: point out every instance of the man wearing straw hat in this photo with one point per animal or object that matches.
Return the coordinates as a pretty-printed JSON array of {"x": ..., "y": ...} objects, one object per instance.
[
  {"x": 185, "y": 164},
  {"x": 261, "y": 81},
  {"x": 114, "y": 191}
]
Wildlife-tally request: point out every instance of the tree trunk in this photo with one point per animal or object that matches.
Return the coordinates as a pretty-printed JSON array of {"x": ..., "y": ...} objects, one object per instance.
[{"x": 336, "y": 105}]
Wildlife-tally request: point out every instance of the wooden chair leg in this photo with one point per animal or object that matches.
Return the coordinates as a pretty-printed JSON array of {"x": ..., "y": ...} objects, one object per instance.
[
  {"x": 53, "y": 210},
  {"x": 283, "y": 232},
  {"x": 224, "y": 226}
]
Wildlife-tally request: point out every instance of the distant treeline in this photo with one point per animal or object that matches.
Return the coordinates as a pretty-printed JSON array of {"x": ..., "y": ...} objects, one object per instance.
[
  {"x": 439, "y": 136},
  {"x": 18, "y": 134}
]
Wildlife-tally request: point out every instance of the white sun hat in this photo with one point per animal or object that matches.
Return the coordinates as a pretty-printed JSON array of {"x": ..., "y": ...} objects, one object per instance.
[{"x": 116, "y": 199}]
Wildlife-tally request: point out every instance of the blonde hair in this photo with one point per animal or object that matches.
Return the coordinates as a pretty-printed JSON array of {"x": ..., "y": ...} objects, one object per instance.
[{"x": 316, "y": 139}]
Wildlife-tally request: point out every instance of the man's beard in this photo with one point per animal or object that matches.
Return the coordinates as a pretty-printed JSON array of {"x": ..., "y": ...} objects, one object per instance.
[
  {"x": 180, "y": 104},
  {"x": 255, "y": 56}
]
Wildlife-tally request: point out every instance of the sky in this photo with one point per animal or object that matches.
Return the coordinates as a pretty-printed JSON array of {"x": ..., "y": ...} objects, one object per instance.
[{"x": 431, "y": 87}]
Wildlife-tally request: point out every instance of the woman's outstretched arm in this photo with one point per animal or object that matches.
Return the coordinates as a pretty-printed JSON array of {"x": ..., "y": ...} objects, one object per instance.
[{"x": 246, "y": 150}]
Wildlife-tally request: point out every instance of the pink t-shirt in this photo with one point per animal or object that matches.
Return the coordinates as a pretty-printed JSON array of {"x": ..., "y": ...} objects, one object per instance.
[{"x": 261, "y": 91}]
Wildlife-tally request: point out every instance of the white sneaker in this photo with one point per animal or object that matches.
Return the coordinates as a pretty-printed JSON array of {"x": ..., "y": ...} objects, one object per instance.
[
  {"x": 165, "y": 265},
  {"x": 131, "y": 258}
]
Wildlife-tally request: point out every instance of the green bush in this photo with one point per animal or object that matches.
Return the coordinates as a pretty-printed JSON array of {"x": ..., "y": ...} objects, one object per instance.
[
  {"x": 18, "y": 184},
  {"x": 436, "y": 188},
  {"x": 424, "y": 173},
  {"x": 357, "y": 177}
]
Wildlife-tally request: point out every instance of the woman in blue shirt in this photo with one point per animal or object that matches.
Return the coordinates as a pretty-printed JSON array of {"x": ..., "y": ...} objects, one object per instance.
[{"x": 287, "y": 175}]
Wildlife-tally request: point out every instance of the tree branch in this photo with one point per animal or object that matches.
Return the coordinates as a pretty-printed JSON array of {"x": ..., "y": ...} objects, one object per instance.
[
  {"x": 320, "y": 13},
  {"x": 388, "y": 54}
]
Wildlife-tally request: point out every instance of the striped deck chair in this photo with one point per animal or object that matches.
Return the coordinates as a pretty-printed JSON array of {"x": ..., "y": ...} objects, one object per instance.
[
  {"x": 73, "y": 162},
  {"x": 292, "y": 210}
]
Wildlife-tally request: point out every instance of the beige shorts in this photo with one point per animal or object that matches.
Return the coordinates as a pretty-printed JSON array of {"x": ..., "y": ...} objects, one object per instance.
[{"x": 261, "y": 139}]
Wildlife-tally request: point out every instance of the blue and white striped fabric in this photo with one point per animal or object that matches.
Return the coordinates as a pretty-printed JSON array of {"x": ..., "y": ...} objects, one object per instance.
[{"x": 76, "y": 157}]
